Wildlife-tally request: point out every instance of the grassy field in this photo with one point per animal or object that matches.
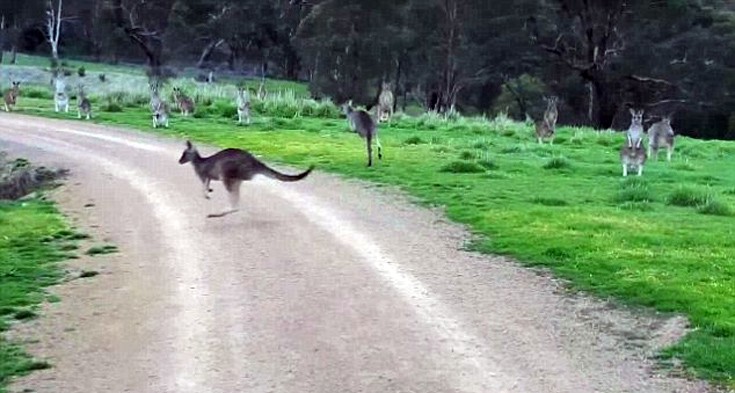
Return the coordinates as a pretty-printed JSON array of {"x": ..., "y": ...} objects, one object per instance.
[
  {"x": 663, "y": 241},
  {"x": 121, "y": 77},
  {"x": 33, "y": 239}
]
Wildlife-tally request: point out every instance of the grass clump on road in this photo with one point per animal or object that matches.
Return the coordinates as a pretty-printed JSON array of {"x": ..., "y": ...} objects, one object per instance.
[
  {"x": 31, "y": 245},
  {"x": 565, "y": 206}
]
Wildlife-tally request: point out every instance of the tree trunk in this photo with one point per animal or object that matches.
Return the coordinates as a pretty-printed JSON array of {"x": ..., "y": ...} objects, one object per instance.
[
  {"x": 606, "y": 105},
  {"x": 13, "y": 54},
  {"x": 208, "y": 51},
  {"x": 397, "y": 84}
]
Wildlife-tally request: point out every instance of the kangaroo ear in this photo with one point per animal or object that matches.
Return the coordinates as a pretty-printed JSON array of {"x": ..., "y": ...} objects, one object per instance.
[
  {"x": 188, "y": 145},
  {"x": 632, "y": 111}
]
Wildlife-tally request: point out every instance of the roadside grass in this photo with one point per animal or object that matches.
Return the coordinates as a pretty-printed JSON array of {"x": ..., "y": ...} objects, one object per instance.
[
  {"x": 33, "y": 239},
  {"x": 564, "y": 207}
]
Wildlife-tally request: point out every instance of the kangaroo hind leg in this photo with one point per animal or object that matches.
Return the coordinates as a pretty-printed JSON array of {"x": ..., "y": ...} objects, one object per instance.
[{"x": 233, "y": 193}]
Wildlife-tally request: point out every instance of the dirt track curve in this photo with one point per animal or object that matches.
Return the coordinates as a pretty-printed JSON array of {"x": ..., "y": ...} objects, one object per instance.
[{"x": 319, "y": 286}]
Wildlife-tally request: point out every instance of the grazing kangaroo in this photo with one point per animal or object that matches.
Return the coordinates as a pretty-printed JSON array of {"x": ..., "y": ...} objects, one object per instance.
[
  {"x": 185, "y": 104},
  {"x": 385, "y": 103},
  {"x": 362, "y": 123},
  {"x": 61, "y": 99},
  {"x": 661, "y": 134},
  {"x": 232, "y": 167},
  {"x": 84, "y": 106},
  {"x": 243, "y": 105},
  {"x": 635, "y": 131},
  {"x": 546, "y": 128},
  {"x": 11, "y": 96}
]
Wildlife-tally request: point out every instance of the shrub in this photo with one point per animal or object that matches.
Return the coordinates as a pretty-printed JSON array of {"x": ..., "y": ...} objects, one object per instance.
[{"x": 82, "y": 72}]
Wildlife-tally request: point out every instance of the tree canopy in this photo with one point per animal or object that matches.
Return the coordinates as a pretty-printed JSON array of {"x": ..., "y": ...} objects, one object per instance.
[{"x": 476, "y": 56}]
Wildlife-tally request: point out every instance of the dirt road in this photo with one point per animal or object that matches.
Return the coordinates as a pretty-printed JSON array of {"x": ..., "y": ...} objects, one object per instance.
[{"x": 318, "y": 286}]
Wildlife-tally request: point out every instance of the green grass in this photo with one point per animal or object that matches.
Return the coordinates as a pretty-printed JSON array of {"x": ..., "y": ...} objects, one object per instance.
[
  {"x": 33, "y": 239},
  {"x": 564, "y": 207}
]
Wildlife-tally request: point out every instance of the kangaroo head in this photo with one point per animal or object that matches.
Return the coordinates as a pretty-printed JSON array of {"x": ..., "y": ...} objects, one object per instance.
[
  {"x": 154, "y": 87},
  {"x": 637, "y": 116},
  {"x": 347, "y": 107},
  {"x": 189, "y": 153},
  {"x": 386, "y": 86}
]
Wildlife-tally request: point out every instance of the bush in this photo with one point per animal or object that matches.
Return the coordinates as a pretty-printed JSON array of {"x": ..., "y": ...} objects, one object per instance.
[{"x": 82, "y": 72}]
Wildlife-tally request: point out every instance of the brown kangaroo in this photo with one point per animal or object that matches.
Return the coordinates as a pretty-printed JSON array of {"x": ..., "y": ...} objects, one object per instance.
[
  {"x": 232, "y": 167},
  {"x": 11, "y": 96}
]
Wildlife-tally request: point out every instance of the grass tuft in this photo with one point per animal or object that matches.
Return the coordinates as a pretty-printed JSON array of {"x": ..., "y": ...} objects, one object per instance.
[
  {"x": 687, "y": 197},
  {"x": 557, "y": 163},
  {"x": 462, "y": 167}
]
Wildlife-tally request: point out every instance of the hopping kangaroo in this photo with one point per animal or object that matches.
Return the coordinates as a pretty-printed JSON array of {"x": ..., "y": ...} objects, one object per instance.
[
  {"x": 661, "y": 135},
  {"x": 61, "y": 99},
  {"x": 635, "y": 131},
  {"x": 361, "y": 122},
  {"x": 185, "y": 104},
  {"x": 385, "y": 103},
  {"x": 243, "y": 105},
  {"x": 11, "y": 96},
  {"x": 84, "y": 106},
  {"x": 546, "y": 128},
  {"x": 232, "y": 167},
  {"x": 633, "y": 154}
]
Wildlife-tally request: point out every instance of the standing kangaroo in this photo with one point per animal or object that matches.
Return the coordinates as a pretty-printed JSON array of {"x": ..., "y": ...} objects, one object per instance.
[
  {"x": 186, "y": 104},
  {"x": 84, "y": 106},
  {"x": 385, "y": 103},
  {"x": 11, "y": 96},
  {"x": 156, "y": 102},
  {"x": 362, "y": 123},
  {"x": 633, "y": 154},
  {"x": 61, "y": 99},
  {"x": 159, "y": 107},
  {"x": 635, "y": 131},
  {"x": 232, "y": 167},
  {"x": 546, "y": 128},
  {"x": 661, "y": 134},
  {"x": 243, "y": 105}
]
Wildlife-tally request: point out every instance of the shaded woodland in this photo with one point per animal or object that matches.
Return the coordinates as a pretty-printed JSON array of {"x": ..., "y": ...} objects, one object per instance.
[{"x": 473, "y": 56}]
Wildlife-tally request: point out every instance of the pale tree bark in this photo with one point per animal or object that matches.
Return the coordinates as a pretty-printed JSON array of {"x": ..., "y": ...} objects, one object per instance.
[
  {"x": 2, "y": 37},
  {"x": 53, "y": 28}
]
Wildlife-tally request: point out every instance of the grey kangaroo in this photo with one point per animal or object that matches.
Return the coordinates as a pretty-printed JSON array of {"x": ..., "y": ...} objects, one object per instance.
[
  {"x": 84, "y": 106},
  {"x": 635, "y": 131},
  {"x": 546, "y": 128},
  {"x": 385, "y": 103},
  {"x": 661, "y": 135},
  {"x": 231, "y": 167},
  {"x": 362, "y": 123}
]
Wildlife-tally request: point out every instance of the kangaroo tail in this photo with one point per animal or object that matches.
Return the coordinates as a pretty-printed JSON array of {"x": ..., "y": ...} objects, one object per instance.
[{"x": 273, "y": 174}]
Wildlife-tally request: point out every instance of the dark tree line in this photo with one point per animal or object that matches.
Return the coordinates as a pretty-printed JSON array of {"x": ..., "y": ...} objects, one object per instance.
[{"x": 475, "y": 56}]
